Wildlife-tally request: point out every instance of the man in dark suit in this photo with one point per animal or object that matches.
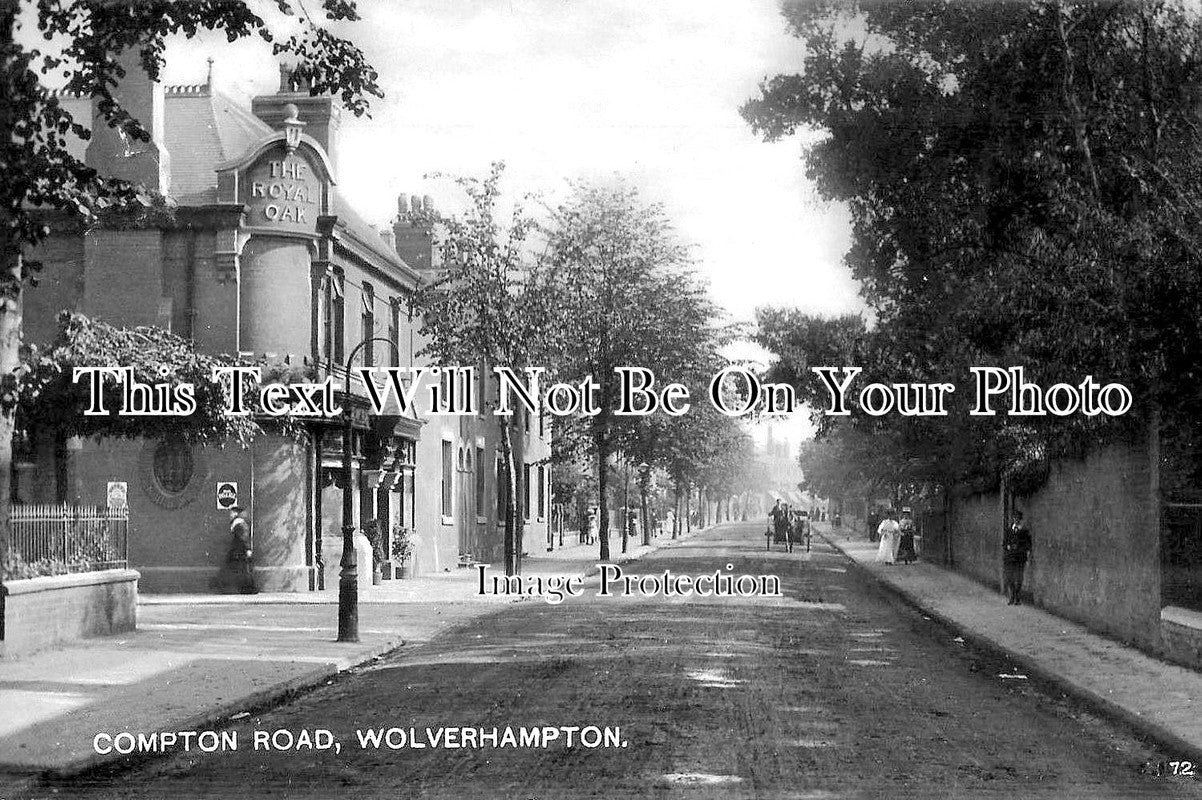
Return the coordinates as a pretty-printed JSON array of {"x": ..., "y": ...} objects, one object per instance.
[{"x": 1016, "y": 546}]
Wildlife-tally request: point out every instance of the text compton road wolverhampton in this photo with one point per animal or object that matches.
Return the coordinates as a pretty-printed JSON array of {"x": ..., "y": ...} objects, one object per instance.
[{"x": 523, "y": 737}]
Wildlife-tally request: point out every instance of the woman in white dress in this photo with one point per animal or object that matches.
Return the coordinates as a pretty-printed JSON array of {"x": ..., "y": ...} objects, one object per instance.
[{"x": 889, "y": 533}]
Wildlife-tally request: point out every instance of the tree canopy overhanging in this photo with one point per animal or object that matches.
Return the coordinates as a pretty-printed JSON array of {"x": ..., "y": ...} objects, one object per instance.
[{"x": 1023, "y": 180}]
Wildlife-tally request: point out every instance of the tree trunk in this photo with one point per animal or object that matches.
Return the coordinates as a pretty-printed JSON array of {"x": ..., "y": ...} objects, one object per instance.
[
  {"x": 602, "y": 447},
  {"x": 676, "y": 511},
  {"x": 10, "y": 318},
  {"x": 646, "y": 517},
  {"x": 625, "y": 503},
  {"x": 513, "y": 548},
  {"x": 688, "y": 511},
  {"x": 10, "y": 352}
]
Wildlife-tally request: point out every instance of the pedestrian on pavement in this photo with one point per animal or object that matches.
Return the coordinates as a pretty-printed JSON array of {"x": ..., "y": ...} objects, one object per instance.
[
  {"x": 594, "y": 526},
  {"x": 888, "y": 532},
  {"x": 874, "y": 521},
  {"x": 1016, "y": 546},
  {"x": 239, "y": 570},
  {"x": 802, "y": 530},
  {"x": 905, "y": 546}
]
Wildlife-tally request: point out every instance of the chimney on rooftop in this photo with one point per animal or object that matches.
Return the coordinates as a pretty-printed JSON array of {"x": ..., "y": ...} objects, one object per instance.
[
  {"x": 416, "y": 242},
  {"x": 114, "y": 154}
]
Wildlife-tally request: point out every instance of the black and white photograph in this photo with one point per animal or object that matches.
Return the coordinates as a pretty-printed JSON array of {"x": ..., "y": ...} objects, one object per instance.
[{"x": 538, "y": 399}]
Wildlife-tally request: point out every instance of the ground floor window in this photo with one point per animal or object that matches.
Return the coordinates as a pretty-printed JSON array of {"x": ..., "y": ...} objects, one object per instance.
[
  {"x": 526, "y": 489},
  {"x": 542, "y": 492},
  {"x": 448, "y": 476}
]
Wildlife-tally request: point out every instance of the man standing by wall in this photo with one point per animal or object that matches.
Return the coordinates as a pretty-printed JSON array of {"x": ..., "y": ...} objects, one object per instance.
[{"x": 1016, "y": 546}]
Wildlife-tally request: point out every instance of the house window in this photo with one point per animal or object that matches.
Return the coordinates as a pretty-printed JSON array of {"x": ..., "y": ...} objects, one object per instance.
[
  {"x": 480, "y": 483},
  {"x": 394, "y": 330},
  {"x": 502, "y": 489},
  {"x": 448, "y": 476},
  {"x": 526, "y": 490},
  {"x": 339, "y": 316},
  {"x": 369, "y": 324},
  {"x": 172, "y": 465},
  {"x": 542, "y": 492}
]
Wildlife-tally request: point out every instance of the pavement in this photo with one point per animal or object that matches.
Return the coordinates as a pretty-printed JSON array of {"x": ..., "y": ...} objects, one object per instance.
[
  {"x": 196, "y": 661},
  {"x": 1159, "y": 700}
]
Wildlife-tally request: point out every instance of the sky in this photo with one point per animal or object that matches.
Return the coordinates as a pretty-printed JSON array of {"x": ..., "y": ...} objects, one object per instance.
[{"x": 562, "y": 91}]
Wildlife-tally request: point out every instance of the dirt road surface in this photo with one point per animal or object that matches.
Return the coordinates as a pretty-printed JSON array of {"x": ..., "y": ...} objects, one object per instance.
[{"x": 836, "y": 690}]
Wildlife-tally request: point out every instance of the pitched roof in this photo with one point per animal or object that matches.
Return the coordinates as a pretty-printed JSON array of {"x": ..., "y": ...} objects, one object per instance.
[{"x": 204, "y": 129}]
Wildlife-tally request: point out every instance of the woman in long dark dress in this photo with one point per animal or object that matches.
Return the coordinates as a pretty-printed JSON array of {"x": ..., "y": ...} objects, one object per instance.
[
  {"x": 905, "y": 547},
  {"x": 239, "y": 559}
]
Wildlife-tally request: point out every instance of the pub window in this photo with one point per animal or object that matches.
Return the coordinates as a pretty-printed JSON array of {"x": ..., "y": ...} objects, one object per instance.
[
  {"x": 339, "y": 286},
  {"x": 327, "y": 317},
  {"x": 369, "y": 324},
  {"x": 448, "y": 475}
]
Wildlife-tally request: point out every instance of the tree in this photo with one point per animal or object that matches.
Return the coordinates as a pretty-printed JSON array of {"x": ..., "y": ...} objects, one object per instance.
[
  {"x": 624, "y": 294},
  {"x": 38, "y": 173},
  {"x": 1023, "y": 183},
  {"x": 486, "y": 306}
]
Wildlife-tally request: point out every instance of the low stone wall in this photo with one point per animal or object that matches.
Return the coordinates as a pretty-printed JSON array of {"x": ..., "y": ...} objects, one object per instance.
[
  {"x": 1181, "y": 635},
  {"x": 40, "y": 612}
]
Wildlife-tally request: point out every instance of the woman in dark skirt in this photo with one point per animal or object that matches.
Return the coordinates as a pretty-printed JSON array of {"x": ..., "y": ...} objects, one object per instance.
[
  {"x": 239, "y": 572},
  {"x": 905, "y": 547}
]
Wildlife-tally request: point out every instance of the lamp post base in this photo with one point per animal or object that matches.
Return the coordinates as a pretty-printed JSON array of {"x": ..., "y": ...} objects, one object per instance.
[{"x": 348, "y": 590}]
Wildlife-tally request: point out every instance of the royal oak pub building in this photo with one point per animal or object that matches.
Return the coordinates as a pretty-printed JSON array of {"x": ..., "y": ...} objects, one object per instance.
[{"x": 264, "y": 258}]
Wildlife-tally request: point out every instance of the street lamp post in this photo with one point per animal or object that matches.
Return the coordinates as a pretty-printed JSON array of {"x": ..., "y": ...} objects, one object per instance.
[{"x": 348, "y": 577}]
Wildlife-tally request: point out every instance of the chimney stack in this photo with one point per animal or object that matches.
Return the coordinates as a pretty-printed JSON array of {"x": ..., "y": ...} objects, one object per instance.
[
  {"x": 415, "y": 243},
  {"x": 321, "y": 115},
  {"x": 113, "y": 154}
]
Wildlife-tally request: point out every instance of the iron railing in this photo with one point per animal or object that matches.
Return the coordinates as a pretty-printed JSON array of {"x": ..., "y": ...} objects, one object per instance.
[{"x": 55, "y": 539}]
